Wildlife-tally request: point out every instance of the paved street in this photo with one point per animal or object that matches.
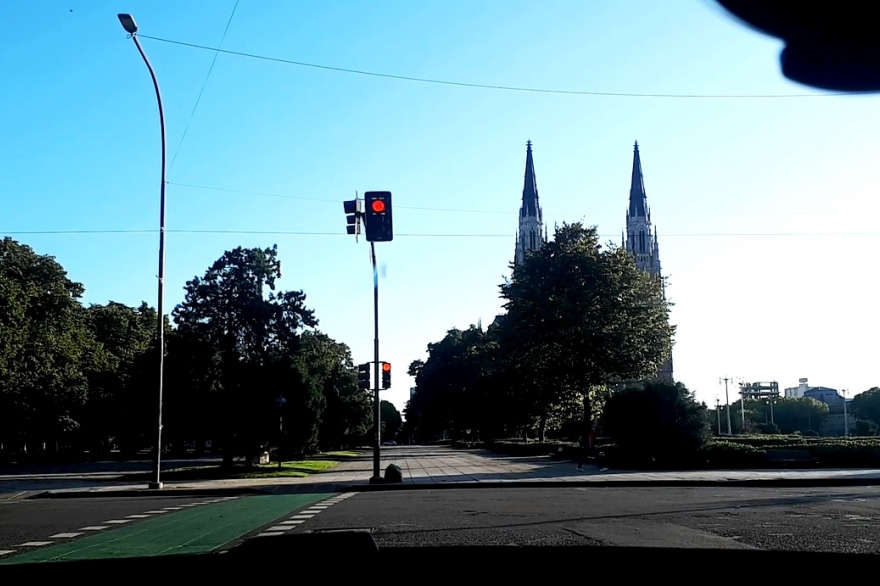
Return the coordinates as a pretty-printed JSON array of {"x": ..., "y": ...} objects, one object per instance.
[
  {"x": 425, "y": 465},
  {"x": 835, "y": 520}
]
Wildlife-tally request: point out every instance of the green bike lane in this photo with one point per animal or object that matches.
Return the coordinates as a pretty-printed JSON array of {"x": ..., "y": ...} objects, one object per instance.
[{"x": 190, "y": 531}]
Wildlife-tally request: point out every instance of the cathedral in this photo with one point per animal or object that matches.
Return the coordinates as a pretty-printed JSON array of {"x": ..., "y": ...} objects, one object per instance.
[{"x": 639, "y": 237}]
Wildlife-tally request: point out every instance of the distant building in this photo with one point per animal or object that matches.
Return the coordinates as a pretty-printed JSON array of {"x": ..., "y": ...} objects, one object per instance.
[{"x": 798, "y": 391}]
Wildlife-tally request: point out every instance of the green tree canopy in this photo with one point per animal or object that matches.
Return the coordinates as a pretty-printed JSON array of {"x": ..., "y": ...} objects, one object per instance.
[
  {"x": 580, "y": 315},
  {"x": 44, "y": 341},
  {"x": 252, "y": 341},
  {"x": 867, "y": 405}
]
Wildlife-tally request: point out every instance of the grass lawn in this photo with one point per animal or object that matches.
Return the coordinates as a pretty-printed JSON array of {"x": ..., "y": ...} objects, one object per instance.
[{"x": 293, "y": 469}]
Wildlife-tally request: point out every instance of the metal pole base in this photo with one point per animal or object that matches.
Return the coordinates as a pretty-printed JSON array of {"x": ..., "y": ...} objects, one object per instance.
[
  {"x": 377, "y": 480},
  {"x": 156, "y": 485}
]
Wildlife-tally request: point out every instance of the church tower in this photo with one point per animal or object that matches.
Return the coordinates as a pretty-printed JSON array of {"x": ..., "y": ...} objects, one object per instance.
[
  {"x": 640, "y": 238},
  {"x": 531, "y": 235}
]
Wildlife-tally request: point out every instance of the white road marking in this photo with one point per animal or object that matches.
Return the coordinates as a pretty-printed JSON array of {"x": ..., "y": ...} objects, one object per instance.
[
  {"x": 117, "y": 521},
  {"x": 6, "y": 551},
  {"x": 64, "y": 535},
  {"x": 319, "y": 508},
  {"x": 156, "y": 512},
  {"x": 34, "y": 544},
  {"x": 173, "y": 508},
  {"x": 279, "y": 528},
  {"x": 93, "y": 528},
  {"x": 302, "y": 517},
  {"x": 270, "y": 533},
  {"x": 293, "y": 522},
  {"x": 136, "y": 516}
]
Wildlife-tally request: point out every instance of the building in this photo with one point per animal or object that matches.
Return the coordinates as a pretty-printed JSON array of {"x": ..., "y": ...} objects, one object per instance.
[
  {"x": 640, "y": 237},
  {"x": 798, "y": 391},
  {"x": 532, "y": 232},
  {"x": 760, "y": 390}
]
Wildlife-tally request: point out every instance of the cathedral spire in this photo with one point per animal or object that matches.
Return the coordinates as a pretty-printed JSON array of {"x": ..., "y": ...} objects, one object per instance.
[
  {"x": 532, "y": 232},
  {"x": 638, "y": 199},
  {"x": 530, "y": 186}
]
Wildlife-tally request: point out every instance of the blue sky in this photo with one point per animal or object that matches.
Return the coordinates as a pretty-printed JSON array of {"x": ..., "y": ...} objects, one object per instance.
[{"x": 765, "y": 207}]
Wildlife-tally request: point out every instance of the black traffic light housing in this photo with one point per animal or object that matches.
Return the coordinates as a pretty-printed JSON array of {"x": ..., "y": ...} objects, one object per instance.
[
  {"x": 377, "y": 216},
  {"x": 353, "y": 215},
  {"x": 364, "y": 376},
  {"x": 386, "y": 375}
]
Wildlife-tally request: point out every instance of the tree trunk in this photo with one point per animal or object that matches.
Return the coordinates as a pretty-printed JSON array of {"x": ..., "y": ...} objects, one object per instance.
[
  {"x": 525, "y": 435},
  {"x": 542, "y": 426},
  {"x": 588, "y": 421}
]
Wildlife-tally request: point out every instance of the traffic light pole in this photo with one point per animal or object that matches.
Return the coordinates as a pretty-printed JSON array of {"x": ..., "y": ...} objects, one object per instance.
[{"x": 377, "y": 475}]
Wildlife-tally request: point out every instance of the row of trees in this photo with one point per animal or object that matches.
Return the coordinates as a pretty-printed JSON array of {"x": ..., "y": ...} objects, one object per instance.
[
  {"x": 790, "y": 415},
  {"x": 580, "y": 319},
  {"x": 85, "y": 378}
]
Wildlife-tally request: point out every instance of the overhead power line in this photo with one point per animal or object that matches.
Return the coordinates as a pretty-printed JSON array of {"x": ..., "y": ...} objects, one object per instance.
[
  {"x": 483, "y": 85},
  {"x": 204, "y": 83},
  {"x": 421, "y": 235},
  {"x": 508, "y": 213}
]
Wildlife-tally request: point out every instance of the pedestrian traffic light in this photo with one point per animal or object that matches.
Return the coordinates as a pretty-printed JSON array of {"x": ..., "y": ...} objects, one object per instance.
[
  {"x": 386, "y": 375},
  {"x": 377, "y": 217},
  {"x": 353, "y": 215},
  {"x": 364, "y": 376}
]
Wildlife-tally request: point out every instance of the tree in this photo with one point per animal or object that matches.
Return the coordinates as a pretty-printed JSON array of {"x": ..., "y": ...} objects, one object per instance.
[
  {"x": 656, "y": 422},
  {"x": 578, "y": 317},
  {"x": 252, "y": 341},
  {"x": 326, "y": 367},
  {"x": 867, "y": 405},
  {"x": 455, "y": 386},
  {"x": 792, "y": 414},
  {"x": 391, "y": 420},
  {"x": 115, "y": 406},
  {"x": 44, "y": 341}
]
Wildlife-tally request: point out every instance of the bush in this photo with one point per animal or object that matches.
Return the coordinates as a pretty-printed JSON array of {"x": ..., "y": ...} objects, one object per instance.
[
  {"x": 866, "y": 427},
  {"x": 656, "y": 424},
  {"x": 725, "y": 454}
]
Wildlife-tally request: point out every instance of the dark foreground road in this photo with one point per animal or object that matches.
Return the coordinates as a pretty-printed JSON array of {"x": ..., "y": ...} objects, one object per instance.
[
  {"x": 842, "y": 520},
  {"x": 837, "y": 520}
]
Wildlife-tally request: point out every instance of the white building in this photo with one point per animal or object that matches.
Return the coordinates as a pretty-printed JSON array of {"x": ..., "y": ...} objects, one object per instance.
[{"x": 798, "y": 391}]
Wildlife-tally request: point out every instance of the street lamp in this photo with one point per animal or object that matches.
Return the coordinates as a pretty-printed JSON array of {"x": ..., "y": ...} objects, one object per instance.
[{"x": 130, "y": 27}]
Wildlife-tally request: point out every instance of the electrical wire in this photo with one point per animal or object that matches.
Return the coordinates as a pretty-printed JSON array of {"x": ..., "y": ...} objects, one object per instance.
[
  {"x": 201, "y": 91},
  {"x": 483, "y": 85},
  {"x": 508, "y": 213},
  {"x": 420, "y": 235}
]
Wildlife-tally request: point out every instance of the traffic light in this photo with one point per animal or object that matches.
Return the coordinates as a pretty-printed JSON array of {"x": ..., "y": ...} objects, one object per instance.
[
  {"x": 364, "y": 376},
  {"x": 377, "y": 217},
  {"x": 386, "y": 375},
  {"x": 353, "y": 215}
]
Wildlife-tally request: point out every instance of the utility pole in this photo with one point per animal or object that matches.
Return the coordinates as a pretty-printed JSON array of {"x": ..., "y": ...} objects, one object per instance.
[
  {"x": 718, "y": 413},
  {"x": 845, "y": 417},
  {"x": 377, "y": 412},
  {"x": 727, "y": 400}
]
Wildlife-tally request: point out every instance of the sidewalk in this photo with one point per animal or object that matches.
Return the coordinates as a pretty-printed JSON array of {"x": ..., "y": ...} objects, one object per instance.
[{"x": 425, "y": 467}]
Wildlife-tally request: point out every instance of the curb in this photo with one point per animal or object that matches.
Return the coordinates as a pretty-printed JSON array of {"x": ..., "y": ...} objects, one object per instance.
[
  {"x": 761, "y": 483},
  {"x": 145, "y": 492}
]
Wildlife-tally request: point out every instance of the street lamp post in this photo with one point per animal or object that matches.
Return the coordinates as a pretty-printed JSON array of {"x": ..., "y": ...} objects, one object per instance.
[
  {"x": 845, "y": 417},
  {"x": 130, "y": 27}
]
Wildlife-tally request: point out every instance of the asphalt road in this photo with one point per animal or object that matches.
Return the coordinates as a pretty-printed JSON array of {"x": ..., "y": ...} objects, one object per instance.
[
  {"x": 844, "y": 520},
  {"x": 841, "y": 520},
  {"x": 25, "y": 521}
]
